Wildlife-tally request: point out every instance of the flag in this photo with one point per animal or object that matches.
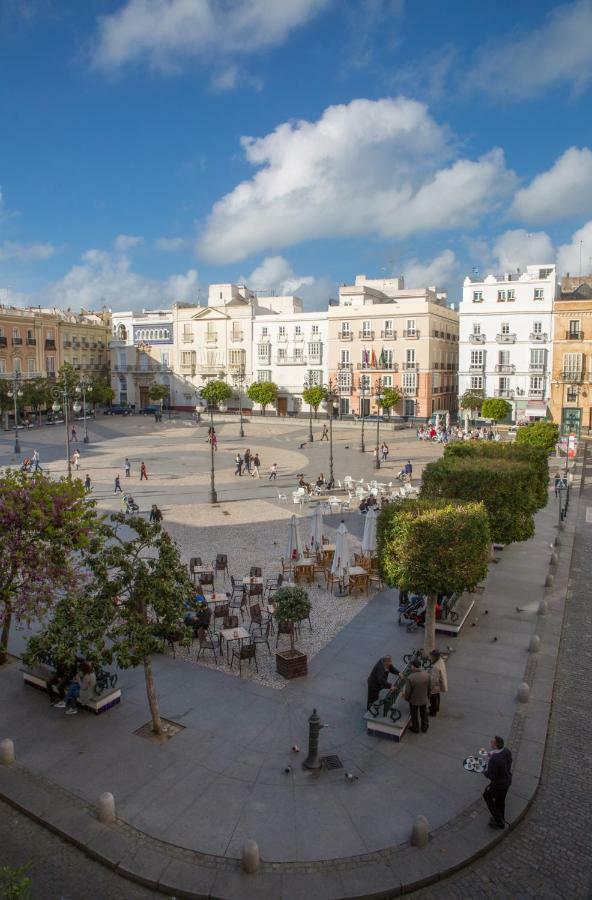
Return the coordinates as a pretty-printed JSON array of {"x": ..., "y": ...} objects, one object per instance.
[
  {"x": 382, "y": 358},
  {"x": 373, "y": 359}
]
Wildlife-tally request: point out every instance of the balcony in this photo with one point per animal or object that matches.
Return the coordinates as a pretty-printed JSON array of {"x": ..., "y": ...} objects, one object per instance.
[
  {"x": 477, "y": 367},
  {"x": 50, "y": 345},
  {"x": 505, "y": 368},
  {"x": 388, "y": 335},
  {"x": 282, "y": 338},
  {"x": 93, "y": 345},
  {"x": 573, "y": 376},
  {"x": 506, "y": 393},
  {"x": 385, "y": 367},
  {"x": 505, "y": 338},
  {"x": 536, "y": 393},
  {"x": 123, "y": 368},
  {"x": 17, "y": 342},
  {"x": 477, "y": 339},
  {"x": 410, "y": 367},
  {"x": 345, "y": 336},
  {"x": 538, "y": 336},
  {"x": 366, "y": 335},
  {"x": 298, "y": 338},
  {"x": 187, "y": 338},
  {"x": 412, "y": 334},
  {"x": 3, "y": 341},
  {"x": 409, "y": 391},
  {"x": 237, "y": 336},
  {"x": 344, "y": 390},
  {"x": 290, "y": 360},
  {"x": 574, "y": 335},
  {"x": 211, "y": 339},
  {"x": 67, "y": 345},
  {"x": 315, "y": 359},
  {"x": 345, "y": 366},
  {"x": 536, "y": 367},
  {"x": 31, "y": 342}
]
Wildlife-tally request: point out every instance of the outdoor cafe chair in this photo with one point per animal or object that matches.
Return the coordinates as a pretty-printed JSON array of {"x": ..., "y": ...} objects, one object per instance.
[
  {"x": 220, "y": 612},
  {"x": 236, "y": 604},
  {"x": 255, "y": 590},
  {"x": 258, "y": 617},
  {"x": 221, "y": 564},
  {"x": 284, "y": 628},
  {"x": 330, "y": 579},
  {"x": 206, "y": 579},
  {"x": 244, "y": 653},
  {"x": 273, "y": 584},
  {"x": 263, "y": 636},
  {"x": 255, "y": 572},
  {"x": 206, "y": 642},
  {"x": 193, "y": 562}
]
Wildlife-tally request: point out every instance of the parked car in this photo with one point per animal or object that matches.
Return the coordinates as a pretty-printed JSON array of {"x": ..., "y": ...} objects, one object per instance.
[
  {"x": 117, "y": 410},
  {"x": 150, "y": 410}
]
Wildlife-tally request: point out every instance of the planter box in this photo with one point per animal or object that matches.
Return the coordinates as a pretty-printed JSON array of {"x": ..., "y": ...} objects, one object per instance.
[{"x": 291, "y": 663}]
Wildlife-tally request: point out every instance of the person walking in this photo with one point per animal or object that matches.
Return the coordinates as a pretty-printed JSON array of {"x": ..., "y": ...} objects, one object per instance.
[
  {"x": 378, "y": 679},
  {"x": 408, "y": 469},
  {"x": 74, "y": 436},
  {"x": 438, "y": 681},
  {"x": 128, "y": 467},
  {"x": 36, "y": 466},
  {"x": 499, "y": 773},
  {"x": 273, "y": 469},
  {"x": 214, "y": 440},
  {"x": 238, "y": 460},
  {"x": 248, "y": 459},
  {"x": 256, "y": 466},
  {"x": 385, "y": 451},
  {"x": 117, "y": 485},
  {"x": 76, "y": 460},
  {"x": 143, "y": 472},
  {"x": 87, "y": 484},
  {"x": 155, "y": 514},
  {"x": 416, "y": 694},
  {"x": 325, "y": 434}
]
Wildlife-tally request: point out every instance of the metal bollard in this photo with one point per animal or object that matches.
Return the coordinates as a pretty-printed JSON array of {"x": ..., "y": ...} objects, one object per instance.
[
  {"x": 7, "y": 756},
  {"x": 313, "y": 761},
  {"x": 250, "y": 859},
  {"x": 107, "y": 808}
]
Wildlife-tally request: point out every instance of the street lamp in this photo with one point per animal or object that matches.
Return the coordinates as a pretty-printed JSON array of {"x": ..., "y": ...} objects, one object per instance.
[
  {"x": 15, "y": 393},
  {"x": 83, "y": 387},
  {"x": 362, "y": 410},
  {"x": 240, "y": 380},
  {"x": 378, "y": 399},
  {"x": 331, "y": 402},
  {"x": 306, "y": 386}
]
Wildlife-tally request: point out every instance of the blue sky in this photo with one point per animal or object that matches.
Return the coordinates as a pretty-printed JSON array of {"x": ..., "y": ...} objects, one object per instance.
[{"x": 148, "y": 147}]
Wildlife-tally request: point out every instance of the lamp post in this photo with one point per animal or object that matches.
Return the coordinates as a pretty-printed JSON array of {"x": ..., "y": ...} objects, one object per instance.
[
  {"x": 240, "y": 379},
  {"x": 378, "y": 399},
  {"x": 199, "y": 408},
  {"x": 331, "y": 406},
  {"x": 63, "y": 393},
  {"x": 82, "y": 388},
  {"x": 306, "y": 386},
  {"x": 362, "y": 410},
  {"x": 15, "y": 393}
]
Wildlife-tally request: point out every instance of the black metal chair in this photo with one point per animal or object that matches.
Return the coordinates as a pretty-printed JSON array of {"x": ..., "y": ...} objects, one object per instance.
[
  {"x": 244, "y": 653},
  {"x": 221, "y": 564},
  {"x": 206, "y": 642},
  {"x": 206, "y": 579},
  {"x": 220, "y": 612},
  {"x": 284, "y": 628},
  {"x": 273, "y": 584},
  {"x": 263, "y": 637},
  {"x": 255, "y": 572},
  {"x": 193, "y": 562}
]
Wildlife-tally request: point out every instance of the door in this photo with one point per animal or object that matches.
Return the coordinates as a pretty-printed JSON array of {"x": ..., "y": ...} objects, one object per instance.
[
  {"x": 144, "y": 398},
  {"x": 282, "y": 406},
  {"x": 409, "y": 408}
]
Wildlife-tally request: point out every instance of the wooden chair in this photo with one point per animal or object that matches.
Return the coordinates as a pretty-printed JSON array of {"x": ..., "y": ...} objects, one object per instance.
[
  {"x": 206, "y": 642},
  {"x": 221, "y": 564},
  {"x": 330, "y": 580},
  {"x": 375, "y": 580},
  {"x": 244, "y": 653},
  {"x": 358, "y": 583},
  {"x": 206, "y": 579},
  {"x": 193, "y": 562},
  {"x": 257, "y": 616},
  {"x": 263, "y": 636}
]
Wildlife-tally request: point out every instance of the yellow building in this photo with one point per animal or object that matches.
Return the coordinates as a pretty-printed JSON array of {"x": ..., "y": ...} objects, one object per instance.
[
  {"x": 571, "y": 382},
  {"x": 83, "y": 342}
]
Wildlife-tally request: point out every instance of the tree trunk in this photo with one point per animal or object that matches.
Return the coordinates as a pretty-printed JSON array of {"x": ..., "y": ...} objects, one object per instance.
[
  {"x": 429, "y": 642},
  {"x": 152, "y": 698},
  {"x": 4, "y": 636}
]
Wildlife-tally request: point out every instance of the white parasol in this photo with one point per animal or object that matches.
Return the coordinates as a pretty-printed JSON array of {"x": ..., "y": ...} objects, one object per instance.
[
  {"x": 342, "y": 556},
  {"x": 316, "y": 528},
  {"x": 369, "y": 538},
  {"x": 294, "y": 546}
]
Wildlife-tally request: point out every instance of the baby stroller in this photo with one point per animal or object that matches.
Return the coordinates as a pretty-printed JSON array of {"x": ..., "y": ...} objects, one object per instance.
[
  {"x": 130, "y": 504},
  {"x": 411, "y": 610},
  {"x": 27, "y": 465}
]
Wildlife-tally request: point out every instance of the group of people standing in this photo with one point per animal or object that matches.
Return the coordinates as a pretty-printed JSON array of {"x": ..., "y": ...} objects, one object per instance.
[{"x": 248, "y": 462}]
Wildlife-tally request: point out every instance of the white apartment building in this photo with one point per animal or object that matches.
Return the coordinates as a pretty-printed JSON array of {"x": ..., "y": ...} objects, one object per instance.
[
  {"x": 141, "y": 351},
  {"x": 506, "y": 324}
]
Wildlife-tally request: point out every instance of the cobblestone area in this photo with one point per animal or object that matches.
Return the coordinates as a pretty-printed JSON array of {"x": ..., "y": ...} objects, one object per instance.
[{"x": 549, "y": 855}]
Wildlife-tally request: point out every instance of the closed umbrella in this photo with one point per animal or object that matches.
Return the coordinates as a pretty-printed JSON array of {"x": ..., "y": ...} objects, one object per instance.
[
  {"x": 342, "y": 556},
  {"x": 294, "y": 546},
  {"x": 369, "y": 538},
  {"x": 316, "y": 528}
]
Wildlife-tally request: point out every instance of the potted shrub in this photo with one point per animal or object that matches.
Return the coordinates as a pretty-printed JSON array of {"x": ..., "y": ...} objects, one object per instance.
[{"x": 292, "y": 606}]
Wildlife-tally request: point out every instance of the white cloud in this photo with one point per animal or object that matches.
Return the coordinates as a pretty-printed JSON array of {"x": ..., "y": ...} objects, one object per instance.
[
  {"x": 165, "y": 32},
  {"x": 25, "y": 252},
  {"x": 438, "y": 272},
  {"x": 125, "y": 242},
  {"x": 556, "y": 53},
  {"x": 275, "y": 273},
  {"x": 565, "y": 190},
  {"x": 171, "y": 245},
  {"x": 518, "y": 248},
  {"x": 367, "y": 167},
  {"x": 578, "y": 251}
]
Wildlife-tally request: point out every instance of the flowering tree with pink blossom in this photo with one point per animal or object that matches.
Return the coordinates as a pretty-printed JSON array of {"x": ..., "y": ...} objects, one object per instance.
[{"x": 44, "y": 525}]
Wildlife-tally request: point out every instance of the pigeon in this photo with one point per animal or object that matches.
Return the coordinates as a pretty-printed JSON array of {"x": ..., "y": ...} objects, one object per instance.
[
  {"x": 486, "y": 613},
  {"x": 518, "y": 609},
  {"x": 287, "y": 770},
  {"x": 494, "y": 640},
  {"x": 295, "y": 749},
  {"x": 302, "y": 445},
  {"x": 350, "y": 777}
]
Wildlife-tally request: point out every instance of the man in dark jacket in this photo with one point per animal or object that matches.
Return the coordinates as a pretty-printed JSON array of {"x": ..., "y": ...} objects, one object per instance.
[
  {"x": 378, "y": 678},
  {"x": 417, "y": 692},
  {"x": 499, "y": 772}
]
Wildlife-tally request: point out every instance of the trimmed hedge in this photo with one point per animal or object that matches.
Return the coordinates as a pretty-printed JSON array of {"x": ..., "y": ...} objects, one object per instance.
[{"x": 542, "y": 435}]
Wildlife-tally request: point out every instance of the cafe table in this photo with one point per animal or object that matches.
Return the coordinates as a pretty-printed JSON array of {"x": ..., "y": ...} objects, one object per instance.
[
  {"x": 233, "y": 634},
  {"x": 358, "y": 577},
  {"x": 304, "y": 569}
]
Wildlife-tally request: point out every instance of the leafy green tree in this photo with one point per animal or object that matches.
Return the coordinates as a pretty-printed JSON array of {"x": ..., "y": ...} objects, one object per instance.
[
  {"x": 471, "y": 402},
  {"x": 134, "y": 598},
  {"x": 389, "y": 398},
  {"x": 505, "y": 486},
  {"x": 538, "y": 460},
  {"x": 69, "y": 379},
  {"x": 539, "y": 434},
  {"x": 99, "y": 391},
  {"x": 433, "y": 546},
  {"x": 37, "y": 394},
  {"x": 44, "y": 526},
  {"x": 292, "y": 605},
  {"x": 264, "y": 393},
  {"x": 314, "y": 396},
  {"x": 216, "y": 392},
  {"x": 158, "y": 392},
  {"x": 495, "y": 408}
]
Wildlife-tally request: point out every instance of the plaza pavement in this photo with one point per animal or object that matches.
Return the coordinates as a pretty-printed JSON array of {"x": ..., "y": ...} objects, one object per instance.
[{"x": 190, "y": 804}]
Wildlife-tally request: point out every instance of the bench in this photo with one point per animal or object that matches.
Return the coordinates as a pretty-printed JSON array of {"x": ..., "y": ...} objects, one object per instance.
[{"x": 103, "y": 700}]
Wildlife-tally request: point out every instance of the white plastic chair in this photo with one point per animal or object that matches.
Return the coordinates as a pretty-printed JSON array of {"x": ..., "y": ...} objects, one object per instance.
[{"x": 282, "y": 498}]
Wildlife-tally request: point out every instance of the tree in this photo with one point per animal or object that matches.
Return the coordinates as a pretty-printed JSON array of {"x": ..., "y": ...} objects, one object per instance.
[
  {"x": 135, "y": 596},
  {"x": 431, "y": 547},
  {"x": 216, "y": 392},
  {"x": 264, "y": 393},
  {"x": 36, "y": 393},
  {"x": 471, "y": 401},
  {"x": 44, "y": 524},
  {"x": 292, "y": 605},
  {"x": 539, "y": 434},
  {"x": 158, "y": 392},
  {"x": 495, "y": 408},
  {"x": 389, "y": 398},
  {"x": 505, "y": 486},
  {"x": 99, "y": 391},
  {"x": 68, "y": 379},
  {"x": 314, "y": 396}
]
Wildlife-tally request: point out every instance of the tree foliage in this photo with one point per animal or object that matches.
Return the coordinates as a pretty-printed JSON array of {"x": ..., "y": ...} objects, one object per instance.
[
  {"x": 534, "y": 456},
  {"x": 36, "y": 393},
  {"x": 263, "y": 393},
  {"x": 314, "y": 396},
  {"x": 471, "y": 400},
  {"x": 495, "y": 408},
  {"x": 134, "y": 599},
  {"x": 44, "y": 526},
  {"x": 68, "y": 379},
  {"x": 158, "y": 391},
  {"x": 99, "y": 391},
  {"x": 543, "y": 435},
  {"x": 389, "y": 398},
  {"x": 292, "y": 605},
  {"x": 216, "y": 392},
  {"x": 433, "y": 546}
]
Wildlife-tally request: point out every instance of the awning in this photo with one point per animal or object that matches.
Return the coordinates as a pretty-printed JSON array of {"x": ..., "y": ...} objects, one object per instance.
[{"x": 536, "y": 408}]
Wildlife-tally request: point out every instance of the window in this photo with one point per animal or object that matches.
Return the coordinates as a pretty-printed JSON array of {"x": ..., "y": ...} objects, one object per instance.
[
  {"x": 298, "y": 354},
  {"x": 539, "y": 293},
  {"x": 315, "y": 376},
  {"x": 2, "y": 367},
  {"x": 30, "y": 366},
  {"x": 314, "y": 349},
  {"x": 410, "y": 357},
  {"x": 477, "y": 296},
  {"x": 50, "y": 365},
  {"x": 16, "y": 366},
  {"x": 537, "y": 327},
  {"x": 344, "y": 381},
  {"x": 264, "y": 332},
  {"x": 503, "y": 357},
  {"x": 501, "y": 296},
  {"x": 387, "y": 356},
  {"x": 344, "y": 357},
  {"x": 282, "y": 331},
  {"x": 511, "y": 295},
  {"x": 282, "y": 353},
  {"x": 388, "y": 327},
  {"x": 263, "y": 352},
  {"x": 236, "y": 357},
  {"x": 16, "y": 334},
  {"x": 144, "y": 362},
  {"x": 49, "y": 335},
  {"x": 572, "y": 363},
  {"x": 365, "y": 383},
  {"x": 345, "y": 327},
  {"x": 476, "y": 328},
  {"x": 122, "y": 360},
  {"x": 409, "y": 380},
  {"x": 236, "y": 331},
  {"x": 30, "y": 334},
  {"x": 505, "y": 327},
  {"x": 74, "y": 360},
  {"x": 92, "y": 361},
  {"x": 477, "y": 382},
  {"x": 574, "y": 328},
  {"x": 297, "y": 330},
  {"x": 188, "y": 359},
  {"x": 572, "y": 394},
  {"x": 410, "y": 327},
  {"x": 537, "y": 385},
  {"x": 164, "y": 359},
  {"x": 366, "y": 329},
  {"x": 220, "y": 295},
  {"x": 476, "y": 358},
  {"x": 504, "y": 385},
  {"x": 315, "y": 329},
  {"x": 537, "y": 359},
  {"x": 387, "y": 381}
]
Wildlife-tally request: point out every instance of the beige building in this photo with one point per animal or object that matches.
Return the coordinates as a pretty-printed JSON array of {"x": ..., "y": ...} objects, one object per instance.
[
  {"x": 383, "y": 333},
  {"x": 571, "y": 380}
]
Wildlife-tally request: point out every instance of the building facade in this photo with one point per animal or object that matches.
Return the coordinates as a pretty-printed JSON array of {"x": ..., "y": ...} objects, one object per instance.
[
  {"x": 506, "y": 333},
  {"x": 141, "y": 347},
  {"x": 571, "y": 384},
  {"x": 382, "y": 334}
]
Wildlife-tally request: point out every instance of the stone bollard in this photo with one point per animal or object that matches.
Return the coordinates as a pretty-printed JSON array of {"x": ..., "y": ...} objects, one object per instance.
[
  {"x": 535, "y": 644},
  {"x": 6, "y": 752},
  {"x": 251, "y": 858},
  {"x": 420, "y": 833},
  {"x": 554, "y": 559},
  {"x": 549, "y": 580},
  {"x": 107, "y": 808},
  {"x": 543, "y": 607},
  {"x": 524, "y": 693},
  {"x": 558, "y": 542}
]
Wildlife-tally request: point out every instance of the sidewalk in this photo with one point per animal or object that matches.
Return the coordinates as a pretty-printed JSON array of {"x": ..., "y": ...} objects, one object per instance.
[{"x": 187, "y": 807}]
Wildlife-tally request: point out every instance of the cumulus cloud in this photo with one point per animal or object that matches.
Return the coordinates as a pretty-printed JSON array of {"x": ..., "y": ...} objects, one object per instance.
[
  {"x": 163, "y": 33},
  {"x": 11, "y": 250},
  {"x": 438, "y": 271},
  {"x": 577, "y": 252},
  {"x": 558, "y": 52},
  {"x": 125, "y": 242},
  {"x": 565, "y": 190},
  {"x": 275, "y": 273},
  {"x": 381, "y": 167},
  {"x": 171, "y": 245},
  {"x": 518, "y": 248}
]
